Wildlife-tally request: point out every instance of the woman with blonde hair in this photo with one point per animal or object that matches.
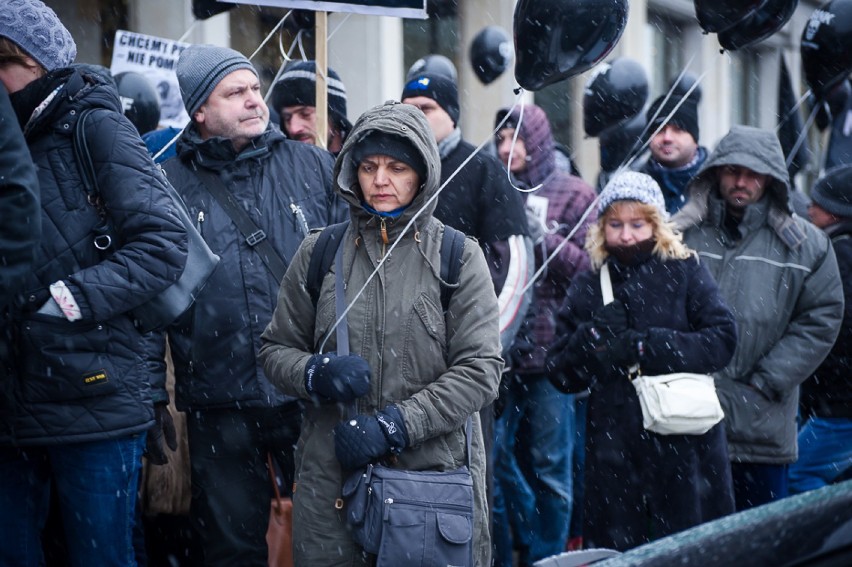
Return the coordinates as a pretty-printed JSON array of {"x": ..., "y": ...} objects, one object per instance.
[{"x": 667, "y": 316}]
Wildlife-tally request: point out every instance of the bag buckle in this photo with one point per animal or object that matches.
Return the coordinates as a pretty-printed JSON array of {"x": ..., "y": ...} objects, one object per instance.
[{"x": 256, "y": 237}]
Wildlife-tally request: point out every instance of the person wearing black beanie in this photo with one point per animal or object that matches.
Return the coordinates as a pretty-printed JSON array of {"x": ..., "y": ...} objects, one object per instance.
[
  {"x": 675, "y": 154},
  {"x": 294, "y": 98}
]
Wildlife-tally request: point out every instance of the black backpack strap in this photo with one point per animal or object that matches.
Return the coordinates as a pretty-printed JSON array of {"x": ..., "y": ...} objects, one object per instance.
[
  {"x": 452, "y": 249},
  {"x": 322, "y": 256}
]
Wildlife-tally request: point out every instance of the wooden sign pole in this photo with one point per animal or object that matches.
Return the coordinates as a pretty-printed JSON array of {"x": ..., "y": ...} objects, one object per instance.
[{"x": 321, "y": 51}]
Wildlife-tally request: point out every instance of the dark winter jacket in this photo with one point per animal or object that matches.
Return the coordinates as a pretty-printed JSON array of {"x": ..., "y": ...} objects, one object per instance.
[
  {"x": 282, "y": 185},
  {"x": 568, "y": 198},
  {"x": 637, "y": 482},
  {"x": 439, "y": 369},
  {"x": 87, "y": 380},
  {"x": 673, "y": 182},
  {"x": 828, "y": 392},
  {"x": 779, "y": 275},
  {"x": 20, "y": 228},
  {"x": 480, "y": 201}
]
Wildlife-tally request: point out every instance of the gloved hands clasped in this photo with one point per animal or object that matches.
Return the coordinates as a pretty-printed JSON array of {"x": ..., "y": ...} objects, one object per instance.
[
  {"x": 614, "y": 341},
  {"x": 332, "y": 378},
  {"x": 163, "y": 432},
  {"x": 367, "y": 438}
]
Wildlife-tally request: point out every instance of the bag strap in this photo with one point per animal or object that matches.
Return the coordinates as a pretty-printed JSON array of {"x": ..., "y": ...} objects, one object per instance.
[
  {"x": 322, "y": 256},
  {"x": 606, "y": 285},
  {"x": 84, "y": 158},
  {"x": 452, "y": 249},
  {"x": 255, "y": 236},
  {"x": 635, "y": 370}
]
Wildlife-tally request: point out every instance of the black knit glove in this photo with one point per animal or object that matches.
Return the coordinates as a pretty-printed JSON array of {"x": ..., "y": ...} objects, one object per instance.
[
  {"x": 611, "y": 319},
  {"x": 367, "y": 438},
  {"x": 623, "y": 350},
  {"x": 162, "y": 433},
  {"x": 333, "y": 378}
]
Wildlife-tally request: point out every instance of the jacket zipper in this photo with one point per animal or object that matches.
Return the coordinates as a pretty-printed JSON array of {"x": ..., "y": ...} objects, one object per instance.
[
  {"x": 301, "y": 221},
  {"x": 200, "y": 221},
  {"x": 384, "y": 230},
  {"x": 463, "y": 510}
]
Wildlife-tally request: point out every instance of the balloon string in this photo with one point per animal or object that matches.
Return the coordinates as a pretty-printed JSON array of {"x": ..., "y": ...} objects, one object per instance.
[
  {"x": 793, "y": 111},
  {"x": 410, "y": 223},
  {"x": 270, "y": 34},
  {"x": 802, "y": 136},
  {"x": 515, "y": 141},
  {"x": 188, "y": 31},
  {"x": 285, "y": 60},
  {"x": 340, "y": 25}
]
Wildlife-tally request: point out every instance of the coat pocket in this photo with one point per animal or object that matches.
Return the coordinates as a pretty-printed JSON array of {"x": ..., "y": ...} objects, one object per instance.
[{"x": 65, "y": 361}]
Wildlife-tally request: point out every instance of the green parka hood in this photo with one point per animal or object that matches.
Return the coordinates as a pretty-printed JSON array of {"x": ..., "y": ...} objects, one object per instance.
[{"x": 405, "y": 121}]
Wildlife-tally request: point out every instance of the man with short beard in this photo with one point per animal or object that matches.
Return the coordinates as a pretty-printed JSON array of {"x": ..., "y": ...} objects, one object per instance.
[{"x": 235, "y": 416}]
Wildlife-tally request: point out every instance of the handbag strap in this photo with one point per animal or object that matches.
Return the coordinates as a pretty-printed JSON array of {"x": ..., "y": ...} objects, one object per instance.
[
  {"x": 608, "y": 296},
  {"x": 606, "y": 285},
  {"x": 255, "y": 236}
]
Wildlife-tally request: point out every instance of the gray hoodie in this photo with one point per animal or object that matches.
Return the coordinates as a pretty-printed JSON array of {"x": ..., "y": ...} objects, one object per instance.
[{"x": 780, "y": 278}]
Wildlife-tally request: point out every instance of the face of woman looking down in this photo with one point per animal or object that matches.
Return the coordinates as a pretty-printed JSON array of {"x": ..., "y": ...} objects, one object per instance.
[
  {"x": 387, "y": 183},
  {"x": 625, "y": 224}
]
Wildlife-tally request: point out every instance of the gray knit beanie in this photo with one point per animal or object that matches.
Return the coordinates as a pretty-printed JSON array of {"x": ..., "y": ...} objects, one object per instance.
[
  {"x": 201, "y": 67},
  {"x": 632, "y": 186},
  {"x": 36, "y": 29}
]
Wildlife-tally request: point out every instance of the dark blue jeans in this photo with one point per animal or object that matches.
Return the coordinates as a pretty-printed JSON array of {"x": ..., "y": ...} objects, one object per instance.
[
  {"x": 756, "y": 484},
  {"x": 825, "y": 452},
  {"x": 96, "y": 484},
  {"x": 532, "y": 470}
]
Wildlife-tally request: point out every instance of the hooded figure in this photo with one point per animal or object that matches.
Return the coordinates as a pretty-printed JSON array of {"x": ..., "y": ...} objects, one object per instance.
[
  {"x": 415, "y": 374},
  {"x": 779, "y": 275}
]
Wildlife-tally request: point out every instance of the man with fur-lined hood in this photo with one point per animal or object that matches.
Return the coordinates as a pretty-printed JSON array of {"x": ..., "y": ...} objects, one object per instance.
[{"x": 779, "y": 275}]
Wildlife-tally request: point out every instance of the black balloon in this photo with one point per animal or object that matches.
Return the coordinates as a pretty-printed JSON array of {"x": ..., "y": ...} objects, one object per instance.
[
  {"x": 758, "y": 25},
  {"x": 826, "y": 46},
  {"x": 490, "y": 53},
  {"x": 616, "y": 92},
  {"x": 558, "y": 39},
  {"x": 434, "y": 65},
  {"x": 715, "y": 16},
  {"x": 139, "y": 100}
]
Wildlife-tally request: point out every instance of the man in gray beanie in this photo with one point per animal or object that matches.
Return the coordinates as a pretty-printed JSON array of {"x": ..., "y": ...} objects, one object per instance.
[
  {"x": 254, "y": 195},
  {"x": 294, "y": 97}
]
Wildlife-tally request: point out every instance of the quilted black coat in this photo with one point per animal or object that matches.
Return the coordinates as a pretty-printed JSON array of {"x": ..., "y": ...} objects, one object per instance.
[{"x": 87, "y": 380}]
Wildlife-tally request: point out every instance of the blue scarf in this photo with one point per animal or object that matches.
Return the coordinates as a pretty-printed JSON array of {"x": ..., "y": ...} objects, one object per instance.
[{"x": 388, "y": 215}]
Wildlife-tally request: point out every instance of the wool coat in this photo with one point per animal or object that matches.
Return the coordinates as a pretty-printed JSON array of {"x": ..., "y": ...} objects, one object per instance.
[{"x": 640, "y": 485}]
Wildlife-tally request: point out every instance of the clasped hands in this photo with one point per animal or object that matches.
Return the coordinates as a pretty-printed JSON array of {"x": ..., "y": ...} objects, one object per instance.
[{"x": 363, "y": 438}]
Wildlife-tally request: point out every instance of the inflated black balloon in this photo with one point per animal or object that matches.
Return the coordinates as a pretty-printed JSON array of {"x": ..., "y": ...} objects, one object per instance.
[
  {"x": 203, "y": 9},
  {"x": 616, "y": 92},
  {"x": 757, "y": 26},
  {"x": 558, "y": 39},
  {"x": 682, "y": 86},
  {"x": 139, "y": 100},
  {"x": 433, "y": 65},
  {"x": 715, "y": 16},
  {"x": 490, "y": 53},
  {"x": 826, "y": 46}
]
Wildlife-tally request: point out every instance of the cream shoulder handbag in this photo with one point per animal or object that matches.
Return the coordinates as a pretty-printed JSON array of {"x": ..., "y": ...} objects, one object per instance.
[{"x": 682, "y": 403}]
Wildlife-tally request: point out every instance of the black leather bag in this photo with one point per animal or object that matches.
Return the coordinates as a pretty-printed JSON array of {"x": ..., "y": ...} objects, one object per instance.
[{"x": 175, "y": 300}]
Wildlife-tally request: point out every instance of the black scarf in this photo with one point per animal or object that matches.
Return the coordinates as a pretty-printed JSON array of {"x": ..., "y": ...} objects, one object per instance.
[
  {"x": 27, "y": 99},
  {"x": 632, "y": 254}
]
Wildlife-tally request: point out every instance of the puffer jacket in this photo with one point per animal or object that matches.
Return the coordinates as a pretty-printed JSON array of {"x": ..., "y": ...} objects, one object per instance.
[
  {"x": 87, "y": 380},
  {"x": 568, "y": 198},
  {"x": 285, "y": 187},
  {"x": 781, "y": 280},
  {"x": 437, "y": 369}
]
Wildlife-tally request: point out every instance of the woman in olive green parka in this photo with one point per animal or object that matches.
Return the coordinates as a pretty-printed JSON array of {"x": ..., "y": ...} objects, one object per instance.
[{"x": 428, "y": 369}]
